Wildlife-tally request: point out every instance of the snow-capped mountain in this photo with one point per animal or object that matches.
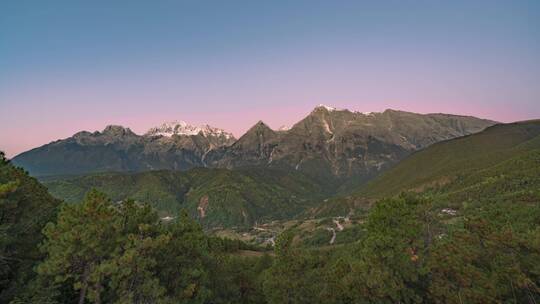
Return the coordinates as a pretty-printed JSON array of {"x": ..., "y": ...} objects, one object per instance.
[
  {"x": 169, "y": 129},
  {"x": 327, "y": 143},
  {"x": 327, "y": 108}
]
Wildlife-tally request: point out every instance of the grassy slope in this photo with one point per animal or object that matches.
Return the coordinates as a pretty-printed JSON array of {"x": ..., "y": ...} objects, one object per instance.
[
  {"x": 460, "y": 162},
  {"x": 514, "y": 180},
  {"x": 472, "y": 175},
  {"x": 235, "y": 198},
  {"x": 499, "y": 164}
]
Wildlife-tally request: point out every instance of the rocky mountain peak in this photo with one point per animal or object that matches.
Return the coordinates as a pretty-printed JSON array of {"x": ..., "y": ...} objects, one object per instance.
[
  {"x": 322, "y": 107},
  {"x": 259, "y": 126},
  {"x": 169, "y": 129},
  {"x": 327, "y": 142},
  {"x": 82, "y": 134},
  {"x": 258, "y": 131},
  {"x": 116, "y": 130},
  {"x": 328, "y": 109}
]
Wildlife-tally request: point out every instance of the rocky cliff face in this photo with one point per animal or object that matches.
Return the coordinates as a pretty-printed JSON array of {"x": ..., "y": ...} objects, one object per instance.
[
  {"x": 327, "y": 144},
  {"x": 119, "y": 149},
  {"x": 345, "y": 144}
]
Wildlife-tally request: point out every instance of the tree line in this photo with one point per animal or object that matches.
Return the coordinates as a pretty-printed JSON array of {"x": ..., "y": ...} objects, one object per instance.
[{"x": 407, "y": 251}]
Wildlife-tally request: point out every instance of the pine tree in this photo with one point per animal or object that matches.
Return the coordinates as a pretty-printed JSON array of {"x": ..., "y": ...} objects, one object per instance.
[
  {"x": 391, "y": 259},
  {"x": 294, "y": 275},
  {"x": 183, "y": 262},
  {"x": 84, "y": 236},
  {"x": 25, "y": 208},
  {"x": 487, "y": 260},
  {"x": 131, "y": 270}
]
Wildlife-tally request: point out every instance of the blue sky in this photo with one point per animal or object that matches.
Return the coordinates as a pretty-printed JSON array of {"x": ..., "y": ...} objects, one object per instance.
[{"x": 72, "y": 65}]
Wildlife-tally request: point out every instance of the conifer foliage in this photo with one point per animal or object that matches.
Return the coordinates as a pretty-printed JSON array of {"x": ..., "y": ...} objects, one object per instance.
[
  {"x": 408, "y": 249},
  {"x": 121, "y": 253}
]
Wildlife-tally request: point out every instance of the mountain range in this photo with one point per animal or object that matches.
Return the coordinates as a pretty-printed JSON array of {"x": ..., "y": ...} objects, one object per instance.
[
  {"x": 329, "y": 145},
  {"x": 262, "y": 176},
  {"x": 499, "y": 164},
  {"x": 460, "y": 163}
]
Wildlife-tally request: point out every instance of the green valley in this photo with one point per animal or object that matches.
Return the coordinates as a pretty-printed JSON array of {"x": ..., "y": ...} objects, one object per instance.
[{"x": 216, "y": 197}]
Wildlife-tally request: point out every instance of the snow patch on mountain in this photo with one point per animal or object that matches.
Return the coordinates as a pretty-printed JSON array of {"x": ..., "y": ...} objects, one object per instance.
[
  {"x": 327, "y": 127},
  {"x": 333, "y": 109},
  {"x": 182, "y": 128},
  {"x": 328, "y": 108}
]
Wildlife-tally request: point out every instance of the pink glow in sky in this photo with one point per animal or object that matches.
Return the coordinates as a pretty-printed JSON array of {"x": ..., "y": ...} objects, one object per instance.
[
  {"x": 47, "y": 108},
  {"x": 72, "y": 66}
]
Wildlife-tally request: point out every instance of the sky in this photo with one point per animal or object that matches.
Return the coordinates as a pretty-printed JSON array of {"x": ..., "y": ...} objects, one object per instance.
[{"x": 67, "y": 66}]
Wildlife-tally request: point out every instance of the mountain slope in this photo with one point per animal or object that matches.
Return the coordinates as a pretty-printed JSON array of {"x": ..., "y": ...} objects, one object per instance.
[
  {"x": 456, "y": 161},
  {"x": 217, "y": 197},
  {"x": 175, "y": 146},
  {"x": 351, "y": 147},
  {"x": 500, "y": 164},
  {"x": 254, "y": 148},
  {"x": 25, "y": 208},
  {"x": 336, "y": 147}
]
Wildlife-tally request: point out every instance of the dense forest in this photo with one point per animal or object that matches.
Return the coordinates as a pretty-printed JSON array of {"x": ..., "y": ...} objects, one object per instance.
[
  {"x": 238, "y": 197},
  {"x": 408, "y": 250}
]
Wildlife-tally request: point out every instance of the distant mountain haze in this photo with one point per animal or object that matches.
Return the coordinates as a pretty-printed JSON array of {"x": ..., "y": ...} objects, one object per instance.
[{"x": 328, "y": 144}]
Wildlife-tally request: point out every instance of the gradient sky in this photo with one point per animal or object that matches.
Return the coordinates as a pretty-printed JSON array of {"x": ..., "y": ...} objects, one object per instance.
[{"x": 67, "y": 66}]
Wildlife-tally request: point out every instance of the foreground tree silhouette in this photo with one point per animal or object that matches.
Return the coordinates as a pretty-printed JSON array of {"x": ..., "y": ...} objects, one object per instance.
[
  {"x": 391, "y": 258},
  {"x": 121, "y": 253},
  {"x": 295, "y": 274},
  {"x": 25, "y": 208},
  {"x": 84, "y": 236},
  {"x": 388, "y": 264},
  {"x": 182, "y": 266},
  {"x": 131, "y": 269}
]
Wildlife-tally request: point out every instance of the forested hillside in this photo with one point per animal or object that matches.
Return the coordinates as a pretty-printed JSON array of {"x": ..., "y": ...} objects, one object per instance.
[
  {"x": 216, "y": 197},
  {"x": 461, "y": 162},
  {"x": 411, "y": 248},
  {"x": 25, "y": 208},
  {"x": 407, "y": 251},
  {"x": 501, "y": 163}
]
